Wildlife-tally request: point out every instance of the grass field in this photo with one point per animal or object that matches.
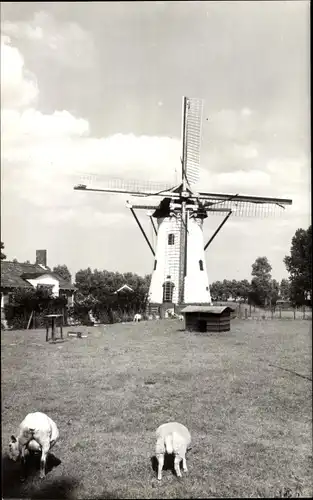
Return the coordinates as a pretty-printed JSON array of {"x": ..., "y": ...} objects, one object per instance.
[{"x": 251, "y": 422}]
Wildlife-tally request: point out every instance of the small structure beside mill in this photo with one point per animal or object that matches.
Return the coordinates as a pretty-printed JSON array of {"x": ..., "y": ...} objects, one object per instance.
[{"x": 207, "y": 318}]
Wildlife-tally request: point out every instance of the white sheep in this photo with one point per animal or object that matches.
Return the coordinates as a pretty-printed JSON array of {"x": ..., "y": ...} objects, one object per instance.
[
  {"x": 137, "y": 317},
  {"x": 172, "y": 438},
  {"x": 37, "y": 432}
]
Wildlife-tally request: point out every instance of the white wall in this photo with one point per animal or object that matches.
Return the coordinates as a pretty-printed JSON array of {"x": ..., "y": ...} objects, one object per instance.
[
  {"x": 167, "y": 256},
  {"x": 196, "y": 281},
  {"x": 46, "y": 279}
]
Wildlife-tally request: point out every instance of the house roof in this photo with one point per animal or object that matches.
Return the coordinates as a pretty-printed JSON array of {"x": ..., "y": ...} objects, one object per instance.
[
  {"x": 206, "y": 309},
  {"x": 124, "y": 288},
  {"x": 15, "y": 274}
]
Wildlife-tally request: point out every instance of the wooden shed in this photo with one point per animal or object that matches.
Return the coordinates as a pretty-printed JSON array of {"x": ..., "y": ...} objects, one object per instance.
[{"x": 207, "y": 318}]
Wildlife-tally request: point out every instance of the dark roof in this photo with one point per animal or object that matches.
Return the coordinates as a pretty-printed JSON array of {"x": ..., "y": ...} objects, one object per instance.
[
  {"x": 15, "y": 274},
  {"x": 206, "y": 309},
  {"x": 31, "y": 276}
]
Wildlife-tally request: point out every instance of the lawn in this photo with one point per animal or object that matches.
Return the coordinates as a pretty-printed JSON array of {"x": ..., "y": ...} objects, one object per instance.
[{"x": 250, "y": 422}]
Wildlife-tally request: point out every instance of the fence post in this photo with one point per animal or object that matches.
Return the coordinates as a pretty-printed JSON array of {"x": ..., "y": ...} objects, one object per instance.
[
  {"x": 304, "y": 312},
  {"x": 246, "y": 313},
  {"x": 280, "y": 313},
  {"x": 294, "y": 313},
  {"x": 250, "y": 310},
  {"x": 272, "y": 313}
]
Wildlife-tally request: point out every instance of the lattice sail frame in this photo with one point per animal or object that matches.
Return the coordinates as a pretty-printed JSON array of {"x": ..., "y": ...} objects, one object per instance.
[
  {"x": 192, "y": 125},
  {"x": 116, "y": 183},
  {"x": 199, "y": 204},
  {"x": 246, "y": 209}
]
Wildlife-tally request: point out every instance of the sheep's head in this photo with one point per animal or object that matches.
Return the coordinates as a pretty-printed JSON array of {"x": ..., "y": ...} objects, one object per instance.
[
  {"x": 33, "y": 446},
  {"x": 14, "y": 451}
]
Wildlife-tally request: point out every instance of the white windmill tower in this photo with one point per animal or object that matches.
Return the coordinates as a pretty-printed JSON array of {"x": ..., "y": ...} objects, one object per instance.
[{"x": 179, "y": 275}]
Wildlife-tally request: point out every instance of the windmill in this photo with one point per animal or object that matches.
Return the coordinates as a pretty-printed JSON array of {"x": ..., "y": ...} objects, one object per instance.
[{"x": 179, "y": 273}]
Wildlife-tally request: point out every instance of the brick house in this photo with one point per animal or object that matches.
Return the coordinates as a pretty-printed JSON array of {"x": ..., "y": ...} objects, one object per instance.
[{"x": 22, "y": 275}]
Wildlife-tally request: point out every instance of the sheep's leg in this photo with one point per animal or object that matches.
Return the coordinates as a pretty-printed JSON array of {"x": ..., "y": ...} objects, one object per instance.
[
  {"x": 44, "y": 453},
  {"x": 52, "y": 443},
  {"x": 160, "y": 459},
  {"x": 184, "y": 464},
  {"x": 177, "y": 461},
  {"x": 23, "y": 464}
]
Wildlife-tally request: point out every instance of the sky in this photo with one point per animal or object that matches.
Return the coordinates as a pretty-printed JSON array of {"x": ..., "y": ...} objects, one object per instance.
[{"x": 96, "y": 87}]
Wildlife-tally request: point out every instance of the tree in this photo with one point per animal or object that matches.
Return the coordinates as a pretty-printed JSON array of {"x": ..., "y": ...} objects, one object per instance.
[
  {"x": 299, "y": 266},
  {"x": 63, "y": 272},
  {"x": 284, "y": 289},
  {"x": 27, "y": 301},
  {"x": 227, "y": 289},
  {"x": 83, "y": 279},
  {"x": 96, "y": 289},
  {"x": 216, "y": 290},
  {"x": 244, "y": 289},
  {"x": 235, "y": 289},
  {"x": 3, "y": 256},
  {"x": 274, "y": 293},
  {"x": 222, "y": 290},
  {"x": 261, "y": 285}
]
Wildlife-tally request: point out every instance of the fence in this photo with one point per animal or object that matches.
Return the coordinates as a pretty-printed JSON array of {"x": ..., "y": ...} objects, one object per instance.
[{"x": 248, "y": 311}]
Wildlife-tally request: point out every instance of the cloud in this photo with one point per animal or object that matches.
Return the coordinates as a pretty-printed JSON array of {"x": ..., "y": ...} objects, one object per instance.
[
  {"x": 242, "y": 180},
  {"x": 255, "y": 137},
  {"x": 44, "y": 154},
  {"x": 18, "y": 86},
  {"x": 65, "y": 42},
  {"x": 246, "y": 112}
]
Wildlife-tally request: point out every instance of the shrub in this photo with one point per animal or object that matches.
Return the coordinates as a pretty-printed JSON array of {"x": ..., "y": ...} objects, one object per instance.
[{"x": 25, "y": 301}]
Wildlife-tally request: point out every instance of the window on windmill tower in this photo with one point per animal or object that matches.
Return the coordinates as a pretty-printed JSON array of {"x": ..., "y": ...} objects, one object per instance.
[
  {"x": 168, "y": 288},
  {"x": 201, "y": 265},
  {"x": 171, "y": 239}
]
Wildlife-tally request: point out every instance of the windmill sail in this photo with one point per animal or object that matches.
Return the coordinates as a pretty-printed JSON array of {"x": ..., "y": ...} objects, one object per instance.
[
  {"x": 192, "y": 122},
  {"x": 119, "y": 184},
  {"x": 246, "y": 209},
  {"x": 179, "y": 274}
]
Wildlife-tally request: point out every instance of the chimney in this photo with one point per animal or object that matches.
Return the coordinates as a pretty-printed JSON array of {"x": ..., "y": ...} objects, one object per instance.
[{"x": 41, "y": 257}]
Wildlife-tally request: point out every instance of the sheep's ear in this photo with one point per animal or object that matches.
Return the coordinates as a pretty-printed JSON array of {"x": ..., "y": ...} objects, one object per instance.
[{"x": 13, "y": 439}]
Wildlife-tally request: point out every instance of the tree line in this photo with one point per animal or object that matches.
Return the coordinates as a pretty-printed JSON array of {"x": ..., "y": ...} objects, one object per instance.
[
  {"x": 98, "y": 291},
  {"x": 262, "y": 290},
  {"x": 95, "y": 290}
]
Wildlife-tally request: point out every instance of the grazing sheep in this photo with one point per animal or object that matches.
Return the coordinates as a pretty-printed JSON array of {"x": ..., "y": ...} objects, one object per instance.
[
  {"x": 37, "y": 432},
  {"x": 137, "y": 317},
  {"x": 172, "y": 438}
]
